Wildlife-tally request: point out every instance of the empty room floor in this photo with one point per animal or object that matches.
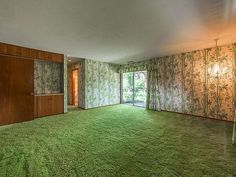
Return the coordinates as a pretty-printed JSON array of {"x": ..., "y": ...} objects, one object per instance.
[{"x": 118, "y": 141}]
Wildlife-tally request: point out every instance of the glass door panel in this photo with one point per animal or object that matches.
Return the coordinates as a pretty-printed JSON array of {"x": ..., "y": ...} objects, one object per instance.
[
  {"x": 134, "y": 88},
  {"x": 128, "y": 86},
  {"x": 140, "y": 88}
]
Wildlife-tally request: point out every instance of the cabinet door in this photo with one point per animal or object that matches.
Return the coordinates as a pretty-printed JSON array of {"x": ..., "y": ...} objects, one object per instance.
[
  {"x": 17, "y": 86},
  {"x": 58, "y": 104},
  {"x": 4, "y": 93},
  {"x": 44, "y": 106}
]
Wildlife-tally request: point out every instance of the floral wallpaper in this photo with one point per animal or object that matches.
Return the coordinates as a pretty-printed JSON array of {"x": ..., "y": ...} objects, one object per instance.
[
  {"x": 187, "y": 84},
  {"x": 82, "y": 83},
  {"x": 102, "y": 84},
  {"x": 99, "y": 83},
  {"x": 38, "y": 77},
  {"x": 48, "y": 77}
]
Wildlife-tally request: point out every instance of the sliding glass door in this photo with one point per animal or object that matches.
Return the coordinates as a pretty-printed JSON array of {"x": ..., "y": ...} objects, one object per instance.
[
  {"x": 140, "y": 87},
  {"x": 134, "y": 88},
  {"x": 128, "y": 87}
]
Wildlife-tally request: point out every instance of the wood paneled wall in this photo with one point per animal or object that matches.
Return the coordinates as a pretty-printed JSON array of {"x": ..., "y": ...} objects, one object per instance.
[
  {"x": 17, "y": 101},
  {"x": 28, "y": 53}
]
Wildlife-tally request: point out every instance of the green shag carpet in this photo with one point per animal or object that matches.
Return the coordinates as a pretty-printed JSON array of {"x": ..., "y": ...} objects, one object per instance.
[{"x": 118, "y": 141}]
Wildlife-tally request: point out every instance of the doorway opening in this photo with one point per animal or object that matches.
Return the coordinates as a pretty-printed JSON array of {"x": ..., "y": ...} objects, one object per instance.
[
  {"x": 134, "y": 88},
  {"x": 75, "y": 87}
]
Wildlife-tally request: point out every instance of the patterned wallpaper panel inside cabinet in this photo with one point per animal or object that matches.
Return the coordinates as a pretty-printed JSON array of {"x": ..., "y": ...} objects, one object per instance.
[{"x": 48, "y": 77}]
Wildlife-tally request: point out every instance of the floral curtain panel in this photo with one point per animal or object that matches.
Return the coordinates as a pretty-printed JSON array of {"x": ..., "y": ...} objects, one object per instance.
[
  {"x": 137, "y": 66},
  {"x": 153, "y": 92},
  {"x": 234, "y": 125},
  {"x": 234, "y": 131},
  {"x": 153, "y": 101}
]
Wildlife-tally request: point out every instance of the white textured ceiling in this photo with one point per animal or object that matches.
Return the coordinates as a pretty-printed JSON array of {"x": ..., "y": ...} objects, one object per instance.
[{"x": 117, "y": 31}]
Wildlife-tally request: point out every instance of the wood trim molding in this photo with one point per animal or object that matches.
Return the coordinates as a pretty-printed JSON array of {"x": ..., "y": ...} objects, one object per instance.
[{"x": 29, "y": 53}]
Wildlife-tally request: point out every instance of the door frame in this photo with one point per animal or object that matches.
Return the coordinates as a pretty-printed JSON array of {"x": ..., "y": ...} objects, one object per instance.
[{"x": 73, "y": 85}]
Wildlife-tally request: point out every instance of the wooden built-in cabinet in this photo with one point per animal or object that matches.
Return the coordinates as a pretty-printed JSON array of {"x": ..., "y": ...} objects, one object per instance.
[
  {"x": 17, "y": 100},
  {"x": 46, "y": 105}
]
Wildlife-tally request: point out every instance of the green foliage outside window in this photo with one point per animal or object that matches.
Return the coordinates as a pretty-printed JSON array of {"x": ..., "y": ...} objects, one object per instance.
[{"x": 138, "y": 89}]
